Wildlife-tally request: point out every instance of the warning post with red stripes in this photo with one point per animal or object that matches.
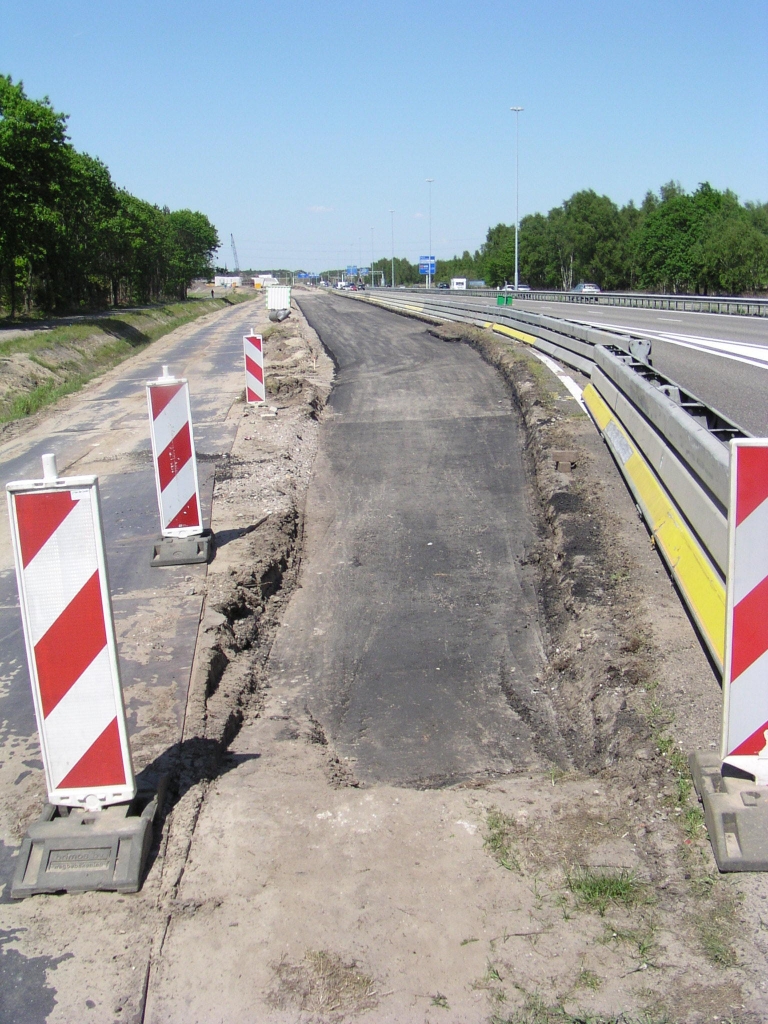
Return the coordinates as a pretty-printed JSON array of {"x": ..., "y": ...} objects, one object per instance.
[
  {"x": 70, "y": 638},
  {"x": 745, "y": 682},
  {"x": 253, "y": 345},
  {"x": 173, "y": 451}
]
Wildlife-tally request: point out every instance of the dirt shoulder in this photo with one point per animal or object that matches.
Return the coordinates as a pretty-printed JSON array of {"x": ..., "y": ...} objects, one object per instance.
[{"x": 586, "y": 889}]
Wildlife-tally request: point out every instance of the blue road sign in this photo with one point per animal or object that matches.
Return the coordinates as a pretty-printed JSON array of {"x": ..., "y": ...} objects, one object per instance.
[
  {"x": 351, "y": 271},
  {"x": 427, "y": 265}
]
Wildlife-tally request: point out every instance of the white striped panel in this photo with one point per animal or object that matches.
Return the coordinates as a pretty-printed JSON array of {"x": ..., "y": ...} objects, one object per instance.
[
  {"x": 80, "y": 717},
  {"x": 178, "y": 492},
  {"x": 170, "y": 421},
  {"x": 751, "y": 552},
  {"x": 60, "y": 569},
  {"x": 748, "y": 702},
  {"x": 255, "y": 385}
]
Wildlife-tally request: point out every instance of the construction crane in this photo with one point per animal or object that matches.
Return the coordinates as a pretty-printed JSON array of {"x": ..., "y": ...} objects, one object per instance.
[{"x": 234, "y": 255}]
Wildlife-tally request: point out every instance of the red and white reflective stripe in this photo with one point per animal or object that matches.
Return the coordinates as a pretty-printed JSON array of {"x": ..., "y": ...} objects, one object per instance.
[
  {"x": 745, "y": 684},
  {"x": 173, "y": 451},
  {"x": 70, "y": 638},
  {"x": 253, "y": 346}
]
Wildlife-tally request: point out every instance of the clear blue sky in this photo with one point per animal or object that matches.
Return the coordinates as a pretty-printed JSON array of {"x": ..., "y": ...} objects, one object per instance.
[{"x": 299, "y": 126}]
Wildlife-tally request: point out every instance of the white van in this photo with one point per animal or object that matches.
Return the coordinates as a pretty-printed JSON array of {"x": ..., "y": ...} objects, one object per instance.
[{"x": 458, "y": 284}]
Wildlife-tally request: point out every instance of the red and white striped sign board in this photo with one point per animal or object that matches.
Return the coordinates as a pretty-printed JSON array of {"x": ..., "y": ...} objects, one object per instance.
[
  {"x": 253, "y": 346},
  {"x": 745, "y": 682},
  {"x": 70, "y": 637},
  {"x": 173, "y": 451}
]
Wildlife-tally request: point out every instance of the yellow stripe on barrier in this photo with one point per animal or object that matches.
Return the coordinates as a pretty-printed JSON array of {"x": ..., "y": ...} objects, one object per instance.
[
  {"x": 698, "y": 580},
  {"x": 529, "y": 339}
]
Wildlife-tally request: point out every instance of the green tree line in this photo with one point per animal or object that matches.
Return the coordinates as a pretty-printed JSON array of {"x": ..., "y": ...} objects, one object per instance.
[
  {"x": 69, "y": 237},
  {"x": 704, "y": 242}
]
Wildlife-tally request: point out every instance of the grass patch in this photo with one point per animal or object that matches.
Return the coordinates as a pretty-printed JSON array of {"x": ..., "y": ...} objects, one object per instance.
[
  {"x": 598, "y": 889},
  {"x": 588, "y": 979},
  {"x": 499, "y": 834},
  {"x": 73, "y": 354},
  {"x": 440, "y": 1000}
]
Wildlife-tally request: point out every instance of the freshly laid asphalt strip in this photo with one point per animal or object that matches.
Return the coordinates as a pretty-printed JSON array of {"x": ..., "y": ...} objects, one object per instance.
[{"x": 415, "y": 630}]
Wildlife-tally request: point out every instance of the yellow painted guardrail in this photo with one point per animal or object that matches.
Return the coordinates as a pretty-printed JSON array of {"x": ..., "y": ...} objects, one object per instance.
[
  {"x": 698, "y": 580},
  {"x": 510, "y": 332}
]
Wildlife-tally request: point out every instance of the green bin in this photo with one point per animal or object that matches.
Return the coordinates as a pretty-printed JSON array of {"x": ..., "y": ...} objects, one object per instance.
[
  {"x": 510, "y": 299},
  {"x": 499, "y": 300}
]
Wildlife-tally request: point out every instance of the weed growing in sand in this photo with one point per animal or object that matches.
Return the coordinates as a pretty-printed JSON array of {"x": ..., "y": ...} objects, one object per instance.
[
  {"x": 598, "y": 889},
  {"x": 536, "y": 1011},
  {"x": 588, "y": 979},
  {"x": 499, "y": 834},
  {"x": 642, "y": 941},
  {"x": 440, "y": 1000}
]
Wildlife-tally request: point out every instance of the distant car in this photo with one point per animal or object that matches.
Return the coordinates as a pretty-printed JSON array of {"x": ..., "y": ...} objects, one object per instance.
[
  {"x": 353, "y": 287},
  {"x": 587, "y": 289},
  {"x": 443, "y": 284},
  {"x": 361, "y": 287},
  {"x": 523, "y": 287}
]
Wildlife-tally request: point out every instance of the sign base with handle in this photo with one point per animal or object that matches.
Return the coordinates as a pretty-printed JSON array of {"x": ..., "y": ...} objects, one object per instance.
[
  {"x": 735, "y": 812},
  {"x": 79, "y": 851}
]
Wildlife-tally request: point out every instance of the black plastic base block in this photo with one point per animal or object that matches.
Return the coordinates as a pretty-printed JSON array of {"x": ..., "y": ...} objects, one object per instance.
[
  {"x": 82, "y": 851},
  {"x": 736, "y": 813},
  {"x": 183, "y": 550}
]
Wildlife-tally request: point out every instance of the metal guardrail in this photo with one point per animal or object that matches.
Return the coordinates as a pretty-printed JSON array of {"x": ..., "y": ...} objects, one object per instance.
[
  {"x": 671, "y": 448},
  {"x": 734, "y": 305}
]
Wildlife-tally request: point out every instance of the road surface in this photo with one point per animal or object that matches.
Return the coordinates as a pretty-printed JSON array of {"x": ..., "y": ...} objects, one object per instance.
[{"x": 416, "y": 626}]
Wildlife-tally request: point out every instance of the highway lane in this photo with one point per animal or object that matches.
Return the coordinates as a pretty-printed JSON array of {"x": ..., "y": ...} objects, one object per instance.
[
  {"x": 104, "y": 431},
  {"x": 721, "y": 359}
]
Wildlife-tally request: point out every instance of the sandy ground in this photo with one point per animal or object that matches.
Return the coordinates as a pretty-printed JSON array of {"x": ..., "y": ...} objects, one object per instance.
[
  {"x": 283, "y": 890},
  {"x": 588, "y": 888}
]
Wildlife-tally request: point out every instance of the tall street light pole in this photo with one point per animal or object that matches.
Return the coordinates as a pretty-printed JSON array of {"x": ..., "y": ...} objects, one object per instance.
[
  {"x": 392, "y": 215},
  {"x": 429, "y": 266},
  {"x": 517, "y": 190},
  {"x": 373, "y": 279}
]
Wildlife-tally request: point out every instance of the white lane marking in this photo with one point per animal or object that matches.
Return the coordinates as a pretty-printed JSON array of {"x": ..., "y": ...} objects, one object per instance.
[
  {"x": 741, "y": 351},
  {"x": 568, "y": 382},
  {"x": 669, "y": 320}
]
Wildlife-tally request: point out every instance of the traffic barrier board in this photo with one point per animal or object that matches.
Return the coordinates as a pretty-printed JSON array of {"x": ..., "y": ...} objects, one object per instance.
[
  {"x": 253, "y": 346},
  {"x": 173, "y": 452},
  {"x": 66, "y": 613},
  {"x": 745, "y": 682}
]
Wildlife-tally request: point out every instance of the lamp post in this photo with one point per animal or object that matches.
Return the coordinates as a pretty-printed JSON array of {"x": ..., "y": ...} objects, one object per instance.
[
  {"x": 392, "y": 215},
  {"x": 517, "y": 189},
  {"x": 373, "y": 279},
  {"x": 429, "y": 265}
]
